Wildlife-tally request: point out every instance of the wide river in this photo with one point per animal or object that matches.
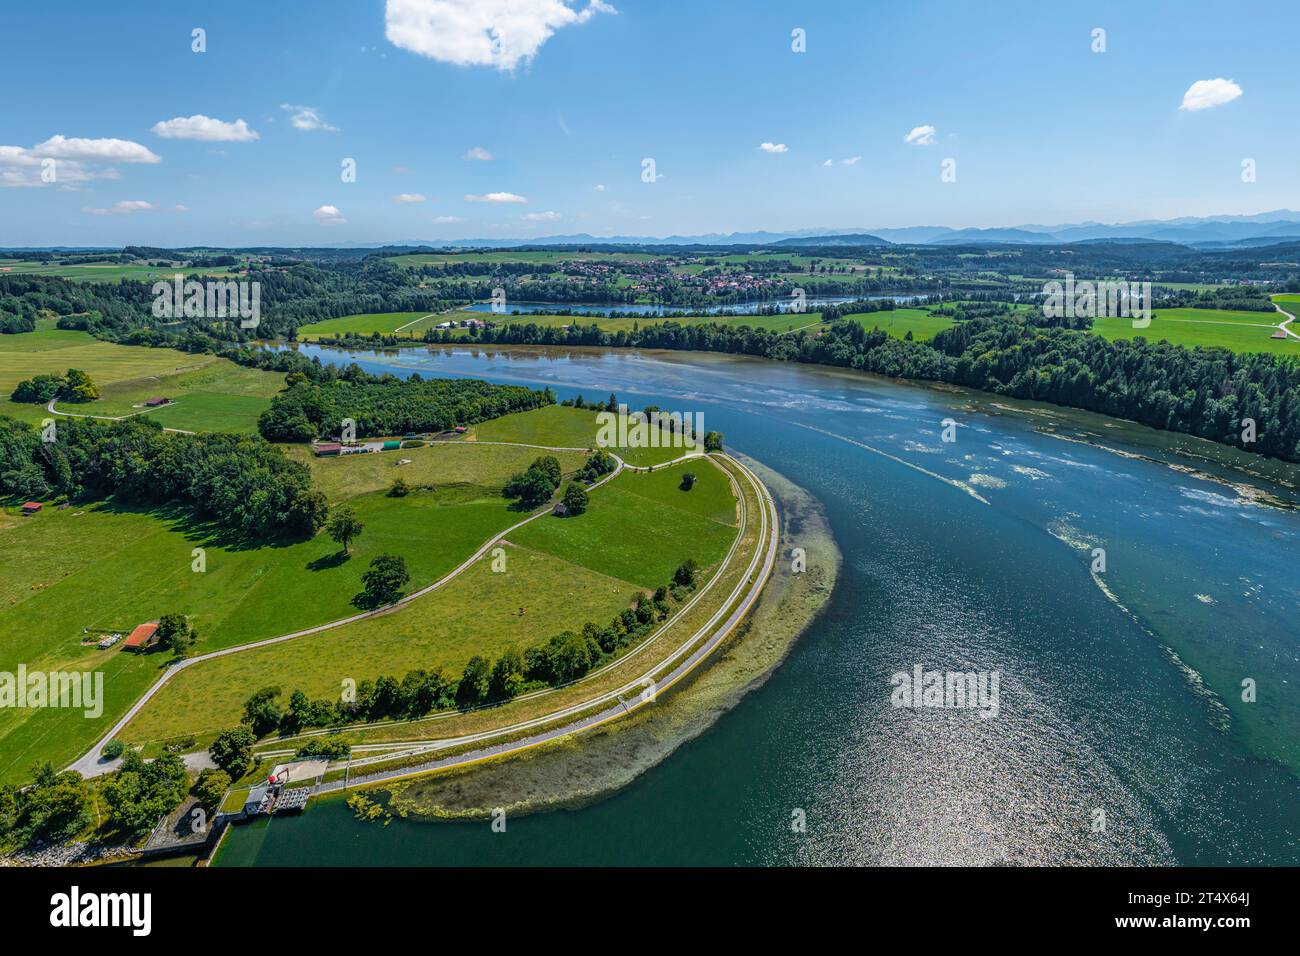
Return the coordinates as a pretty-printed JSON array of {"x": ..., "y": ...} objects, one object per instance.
[{"x": 1121, "y": 736}]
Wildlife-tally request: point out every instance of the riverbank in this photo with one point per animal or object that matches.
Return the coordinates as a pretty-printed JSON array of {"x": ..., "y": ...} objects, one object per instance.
[{"x": 578, "y": 771}]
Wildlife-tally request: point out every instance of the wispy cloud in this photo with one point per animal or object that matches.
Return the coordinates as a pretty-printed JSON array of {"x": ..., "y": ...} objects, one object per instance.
[
  {"x": 125, "y": 207},
  {"x": 478, "y": 153},
  {"x": 307, "y": 118},
  {"x": 921, "y": 136},
  {"x": 773, "y": 147},
  {"x": 494, "y": 197},
  {"x": 409, "y": 197}
]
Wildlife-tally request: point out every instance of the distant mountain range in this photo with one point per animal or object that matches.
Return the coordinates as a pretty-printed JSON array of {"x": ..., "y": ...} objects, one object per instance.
[{"x": 1207, "y": 232}]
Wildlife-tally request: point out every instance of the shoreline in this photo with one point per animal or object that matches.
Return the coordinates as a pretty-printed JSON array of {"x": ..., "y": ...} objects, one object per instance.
[{"x": 574, "y": 772}]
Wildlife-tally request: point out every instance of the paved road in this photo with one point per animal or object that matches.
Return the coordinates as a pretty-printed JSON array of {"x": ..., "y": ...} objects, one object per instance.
[
  {"x": 92, "y": 764},
  {"x": 620, "y": 707},
  {"x": 111, "y": 418},
  {"x": 1286, "y": 325}
]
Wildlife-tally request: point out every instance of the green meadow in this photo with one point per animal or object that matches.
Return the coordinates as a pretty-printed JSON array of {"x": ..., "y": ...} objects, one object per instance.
[
  {"x": 101, "y": 271},
  {"x": 108, "y": 569},
  {"x": 218, "y": 396},
  {"x": 922, "y": 323},
  {"x": 559, "y": 573},
  {"x": 383, "y": 322},
  {"x": 562, "y": 426},
  {"x": 1238, "y": 331},
  {"x": 480, "y": 612},
  {"x": 210, "y": 393},
  {"x": 635, "y": 531},
  {"x": 52, "y": 351}
]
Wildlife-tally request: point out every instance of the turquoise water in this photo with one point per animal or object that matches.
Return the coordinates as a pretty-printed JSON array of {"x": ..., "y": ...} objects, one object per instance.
[{"x": 1119, "y": 692}]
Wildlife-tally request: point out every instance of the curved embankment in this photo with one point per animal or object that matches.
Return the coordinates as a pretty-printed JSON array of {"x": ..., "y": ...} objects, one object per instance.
[
  {"x": 91, "y": 764},
  {"x": 568, "y": 771},
  {"x": 633, "y": 696}
]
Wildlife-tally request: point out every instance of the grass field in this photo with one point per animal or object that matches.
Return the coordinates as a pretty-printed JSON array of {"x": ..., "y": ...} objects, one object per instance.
[
  {"x": 1238, "y": 331},
  {"x": 922, "y": 323},
  {"x": 637, "y": 529},
  {"x": 219, "y": 396},
  {"x": 559, "y": 574},
  {"x": 477, "y": 613},
  {"x": 565, "y": 427},
  {"x": 101, "y": 271},
  {"x": 105, "y": 567},
  {"x": 210, "y": 393},
  {"x": 384, "y": 322}
]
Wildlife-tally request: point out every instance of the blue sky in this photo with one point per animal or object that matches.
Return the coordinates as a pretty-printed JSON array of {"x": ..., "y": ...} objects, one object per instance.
[{"x": 573, "y": 97}]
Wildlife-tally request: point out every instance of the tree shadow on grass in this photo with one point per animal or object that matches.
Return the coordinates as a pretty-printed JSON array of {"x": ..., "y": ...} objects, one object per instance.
[
  {"x": 194, "y": 528},
  {"x": 327, "y": 561}
]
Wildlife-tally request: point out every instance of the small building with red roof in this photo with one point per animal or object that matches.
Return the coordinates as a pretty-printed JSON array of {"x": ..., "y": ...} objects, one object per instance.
[{"x": 142, "y": 637}]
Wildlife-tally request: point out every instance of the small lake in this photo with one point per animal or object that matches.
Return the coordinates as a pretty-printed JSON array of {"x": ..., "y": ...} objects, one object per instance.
[{"x": 1122, "y": 735}]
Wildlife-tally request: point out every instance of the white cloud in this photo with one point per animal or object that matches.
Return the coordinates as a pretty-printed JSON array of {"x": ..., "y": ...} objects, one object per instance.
[
  {"x": 181, "y": 207},
  {"x": 773, "y": 147},
  {"x": 479, "y": 153},
  {"x": 499, "y": 33},
  {"x": 329, "y": 216},
  {"x": 307, "y": 118},
  {"x": 851, "y": 161},
  {"x": 95, "y": 150},
  {"x": 495, "y": 197},
  {"x": 409, "y": 197},
  {"x": 204, "y": 128},
  {"x": 447, "y": 219},
  {"x": 920, "y": 136},
  {"x": 600, "y": 187},
  {"x": 120, "y": 208},
  {"x": 542, "y": 216},
  {"x": 1203, "y": 94},
  {"x": 20, "y": 166},
  {"x": 828, "y": 163}
]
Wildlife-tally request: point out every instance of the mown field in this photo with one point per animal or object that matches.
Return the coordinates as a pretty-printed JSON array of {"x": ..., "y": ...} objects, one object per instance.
[
  {"x": 559, "y": 573},
  {"x": 101, "y": 271},
  {"x": 384, "y": 322},
  {"x": 219, "y": 396},
  {"x": 105, "y": 567},
  {"x": 562, "y": 426},
  {"x": 922, "y": 323},
  {"x": 210, "y": 393},
  {"x": 1238, "y": 331}
]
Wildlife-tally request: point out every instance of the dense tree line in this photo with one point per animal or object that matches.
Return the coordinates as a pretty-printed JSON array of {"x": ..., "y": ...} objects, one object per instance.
[
  {"x": 1203, "y": 392},
  {"x": 244, "y": 485},
  {"x": 387, "y": 405}
]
